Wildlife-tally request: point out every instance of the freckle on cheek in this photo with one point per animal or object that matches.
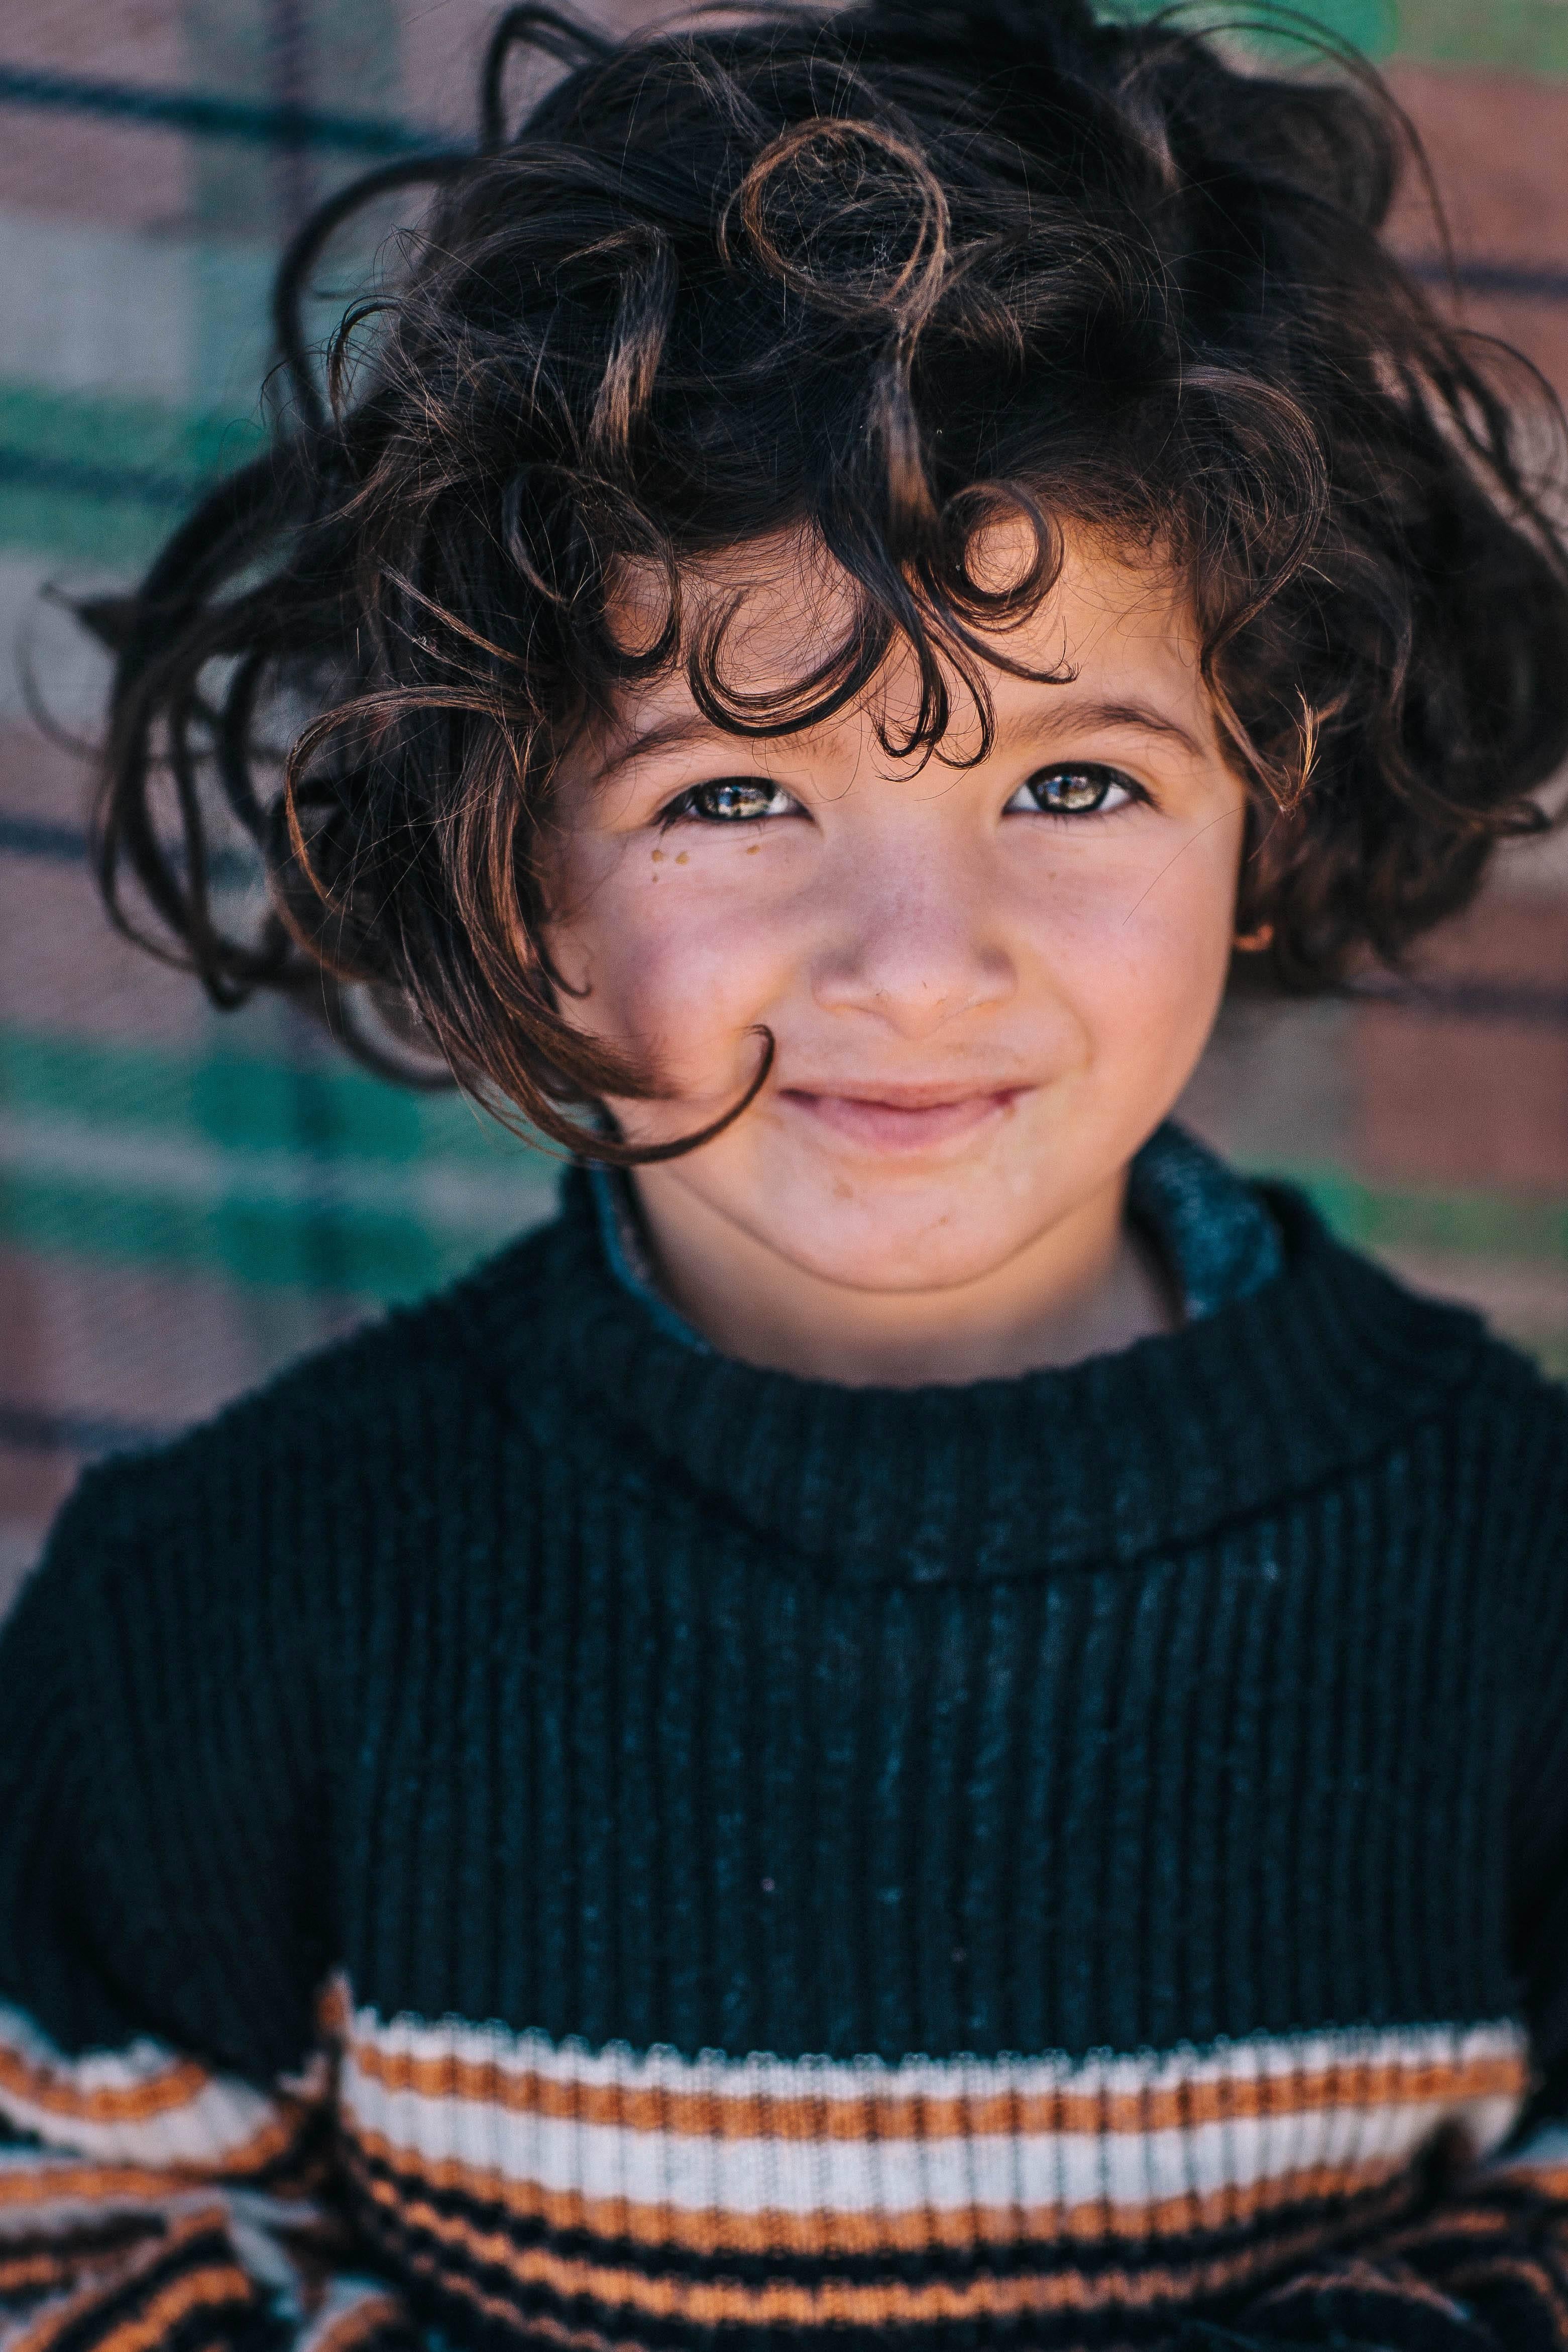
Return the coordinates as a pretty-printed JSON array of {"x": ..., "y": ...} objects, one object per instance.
[
  {"x": 753, "y": 849},
  {"x": 658, "y": 857},
  {"x": 682, "y": 859}
]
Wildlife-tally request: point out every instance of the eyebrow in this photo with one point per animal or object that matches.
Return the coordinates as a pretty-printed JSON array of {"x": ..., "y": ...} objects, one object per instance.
[
  {"x": 1140, "y": 716},
  {"x": 671, "y": 734},
  {"x": 667, "y": 736}
]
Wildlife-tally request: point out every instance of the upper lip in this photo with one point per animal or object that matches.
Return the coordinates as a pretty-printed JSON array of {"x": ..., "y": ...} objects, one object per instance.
[{"x": 935, "y": 1094}]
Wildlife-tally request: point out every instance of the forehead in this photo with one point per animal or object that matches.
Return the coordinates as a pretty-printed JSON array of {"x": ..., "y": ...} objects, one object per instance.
[{"x": 765, "y": 616}]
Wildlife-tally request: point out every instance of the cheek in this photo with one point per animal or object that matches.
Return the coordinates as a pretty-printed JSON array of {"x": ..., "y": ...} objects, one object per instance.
[
  {"x": 1139, "y": 944},
  {"x": 676, "y": 965}
]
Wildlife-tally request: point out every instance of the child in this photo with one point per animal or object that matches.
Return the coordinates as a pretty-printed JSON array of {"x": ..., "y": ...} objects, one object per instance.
[{"x": 929, "y": 1719}]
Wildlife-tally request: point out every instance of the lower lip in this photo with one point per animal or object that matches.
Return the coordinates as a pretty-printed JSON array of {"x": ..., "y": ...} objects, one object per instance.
[{"x": 889, "y": 1127}]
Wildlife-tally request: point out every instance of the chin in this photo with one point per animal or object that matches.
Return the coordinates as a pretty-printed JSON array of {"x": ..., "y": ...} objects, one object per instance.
[{"x": 897, "y": 1254}]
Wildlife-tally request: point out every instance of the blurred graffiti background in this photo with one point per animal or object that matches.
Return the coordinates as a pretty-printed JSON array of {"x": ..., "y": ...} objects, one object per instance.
[{"x": 188, "y": 1197}]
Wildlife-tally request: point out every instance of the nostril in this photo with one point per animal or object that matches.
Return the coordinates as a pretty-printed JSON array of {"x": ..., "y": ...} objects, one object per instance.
[{"x": 921, "y": 994}]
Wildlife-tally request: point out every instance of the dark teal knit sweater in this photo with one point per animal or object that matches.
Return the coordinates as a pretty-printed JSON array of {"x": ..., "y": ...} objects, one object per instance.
[{"x": 1040, "y": 1861}]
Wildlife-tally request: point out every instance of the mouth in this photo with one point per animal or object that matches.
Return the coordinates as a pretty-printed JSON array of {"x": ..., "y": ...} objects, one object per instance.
[{"x": 902, "y": 1119}]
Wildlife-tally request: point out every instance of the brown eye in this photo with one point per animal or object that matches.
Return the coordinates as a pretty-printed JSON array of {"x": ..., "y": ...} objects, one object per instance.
[
  {"x": 734, "y": 800},
  {"x": 1080, "y": 789}
]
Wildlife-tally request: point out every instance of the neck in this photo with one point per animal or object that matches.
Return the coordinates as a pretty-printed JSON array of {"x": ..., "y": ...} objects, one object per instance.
[{"x": 1088, "y": 1287}]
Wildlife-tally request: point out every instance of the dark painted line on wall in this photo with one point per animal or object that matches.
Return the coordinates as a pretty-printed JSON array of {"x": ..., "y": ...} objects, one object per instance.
[
  {"x": 107, "y": 485},
  {"x": 26, "y": 836},
  {"x": 1526, "y": 281},
  {"x": 1513, "y": 277},
  {"x": 62, "y": 844},
  {"x": 210, "y": 116}
]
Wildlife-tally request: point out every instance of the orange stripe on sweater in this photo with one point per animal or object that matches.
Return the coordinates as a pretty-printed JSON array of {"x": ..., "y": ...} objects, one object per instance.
[
  {"x": 33, "y": 2274},
  {"x": 366, "y": 2319},
  {"x": 267, "y": 2146},
  {"x": 831, "y": 2302},
  {"x": 110, "y": 2283},
  {"x": 215, "y": 2286},
  {"x": 1551, "y": 2178},
  {"x": 180, "y": 2085},
  {"x": 52, "y": 2182},
  {"x": 877, "y": 2116}
]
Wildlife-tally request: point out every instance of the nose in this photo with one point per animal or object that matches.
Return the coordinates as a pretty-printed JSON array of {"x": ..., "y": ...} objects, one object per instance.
[{"x": 913, "y": 938}]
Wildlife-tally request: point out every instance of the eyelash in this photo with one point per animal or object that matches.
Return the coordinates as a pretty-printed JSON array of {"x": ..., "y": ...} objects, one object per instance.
[
  {"x": 686, "y": 804},
  {"x": 1096, "y": 773},
  {"x": 1099, "y": 778}
]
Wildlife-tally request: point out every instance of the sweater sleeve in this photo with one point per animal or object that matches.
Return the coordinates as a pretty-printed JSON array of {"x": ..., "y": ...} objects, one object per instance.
[
  {"x": 1481, "y": 2266},
  {"x": 1539, "y": 1812},
  {"x": 164, "y": 2125},
  {"x": 157, "y": 1788}
]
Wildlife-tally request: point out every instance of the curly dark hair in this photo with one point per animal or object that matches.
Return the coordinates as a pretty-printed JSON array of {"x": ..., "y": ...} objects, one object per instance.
[{"x": 878, "y": 276}]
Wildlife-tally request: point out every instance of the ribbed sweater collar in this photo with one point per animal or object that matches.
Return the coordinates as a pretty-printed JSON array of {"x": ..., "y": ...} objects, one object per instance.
[{"x": 1138, "y": 1452}]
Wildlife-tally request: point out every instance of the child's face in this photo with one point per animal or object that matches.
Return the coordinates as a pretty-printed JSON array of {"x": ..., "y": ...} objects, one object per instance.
[{"x": 986, "y": 985}]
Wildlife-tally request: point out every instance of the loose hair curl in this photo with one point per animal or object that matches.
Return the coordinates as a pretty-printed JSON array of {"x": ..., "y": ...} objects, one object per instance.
[{"x": 875, "y": 277}]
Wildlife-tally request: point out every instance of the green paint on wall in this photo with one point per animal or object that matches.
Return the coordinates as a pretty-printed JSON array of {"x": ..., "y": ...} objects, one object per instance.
[
  {"x": 102, "y": 481},
  {"x": 1528, "y": 36},
  {"x": 1278, "y": 30},
  {"x": 1465, "y": 1224},
  {"x": 318, "y": 1178},
  {"x": 259, "y": 1105},
  {"x": 107, "y": 536},
  {"x": 165, "y": 452},
  {"x": 242, "y": 1103},
  {"x": 1370, "y": 27},
  {"x": 253, "y": 1243}
]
